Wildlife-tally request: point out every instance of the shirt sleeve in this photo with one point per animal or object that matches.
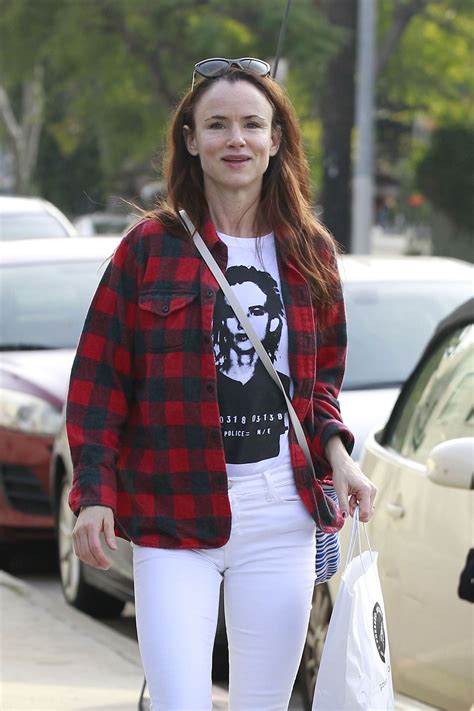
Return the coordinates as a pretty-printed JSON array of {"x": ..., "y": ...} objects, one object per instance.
[
  {"x": 330, "y": 367},
  {"x": 100, "y": 387}
]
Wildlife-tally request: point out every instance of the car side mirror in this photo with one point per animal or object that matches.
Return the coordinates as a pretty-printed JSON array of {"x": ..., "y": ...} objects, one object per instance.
[{"x": 451, "y": 463}]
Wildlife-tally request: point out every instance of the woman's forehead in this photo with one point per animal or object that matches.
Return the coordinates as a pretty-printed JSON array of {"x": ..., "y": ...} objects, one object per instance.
[{"x": 229, "y": 98}]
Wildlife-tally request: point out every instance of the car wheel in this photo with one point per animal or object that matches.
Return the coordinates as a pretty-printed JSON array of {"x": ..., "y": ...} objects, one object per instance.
[
  {"x": 76, "y": 590},
  {"x": 315, "y": 638}
]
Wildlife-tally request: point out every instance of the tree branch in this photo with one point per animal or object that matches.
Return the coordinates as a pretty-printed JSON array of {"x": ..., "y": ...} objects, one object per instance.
[
  {"x": 402, "y": 16},
  {"x": 8, "y": 116}
]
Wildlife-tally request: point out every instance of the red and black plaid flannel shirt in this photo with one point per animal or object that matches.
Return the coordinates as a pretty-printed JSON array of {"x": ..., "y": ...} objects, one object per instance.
[{"x": 142, "y": 412}]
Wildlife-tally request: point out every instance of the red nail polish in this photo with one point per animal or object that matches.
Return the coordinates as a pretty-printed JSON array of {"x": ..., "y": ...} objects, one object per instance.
[{"x": 344, "y": 514}]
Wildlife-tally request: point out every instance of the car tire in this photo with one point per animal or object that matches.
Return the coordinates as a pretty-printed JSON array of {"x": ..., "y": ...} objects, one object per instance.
[
  {"x": 76, "y": 590},
  {"x": 315, "y": 638}
]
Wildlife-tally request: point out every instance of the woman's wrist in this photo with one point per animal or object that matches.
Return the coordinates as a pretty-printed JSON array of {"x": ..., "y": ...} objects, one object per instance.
[{"x": 335, "y": 451}]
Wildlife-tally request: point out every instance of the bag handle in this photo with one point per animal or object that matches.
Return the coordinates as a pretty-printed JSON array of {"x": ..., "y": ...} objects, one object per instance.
[
  {"x": 245, "y": 323},
  {"x": 355, "y": 538}
]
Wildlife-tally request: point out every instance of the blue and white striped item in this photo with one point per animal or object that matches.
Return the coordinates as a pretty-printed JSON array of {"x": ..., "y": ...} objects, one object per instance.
[{"x": 328, "y": 547}]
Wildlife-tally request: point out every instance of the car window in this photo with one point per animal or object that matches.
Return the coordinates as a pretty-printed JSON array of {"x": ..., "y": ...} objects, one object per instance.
[
  {"x": 46, "y": 304},
  {"x": 439, "y": 405},
  {"x": 389, "y": 324},
  {"x": 31, "y": 226}
]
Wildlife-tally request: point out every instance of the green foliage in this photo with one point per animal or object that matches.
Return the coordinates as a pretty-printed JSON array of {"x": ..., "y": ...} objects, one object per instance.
[
  {"x": 446, "y": 173},
  {"x": 114, "y": 69},
  {"x": 431, "y": 69}
]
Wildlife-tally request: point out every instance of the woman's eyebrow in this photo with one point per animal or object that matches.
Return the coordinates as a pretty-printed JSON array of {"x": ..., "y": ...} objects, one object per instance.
[{"x": 217, "y": 117}]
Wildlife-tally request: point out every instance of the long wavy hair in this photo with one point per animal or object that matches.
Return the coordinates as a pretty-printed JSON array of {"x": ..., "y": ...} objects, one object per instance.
[{"x": 285, "y": 200}]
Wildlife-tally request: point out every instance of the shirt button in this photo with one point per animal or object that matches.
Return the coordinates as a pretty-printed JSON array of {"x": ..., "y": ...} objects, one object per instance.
[
  {"x": 165, "y": 308},
  {"x": 209, "y": 293},
  {"x": 210, "y": 388}
]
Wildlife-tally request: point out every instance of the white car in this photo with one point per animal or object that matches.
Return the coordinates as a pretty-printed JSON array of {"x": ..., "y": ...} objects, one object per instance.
[
  {"x": 32, "y": 218},
  {"x": 104, "y": 223},
  {"x": 422, "y": 463},
  {"x": 393, "y": 305}
]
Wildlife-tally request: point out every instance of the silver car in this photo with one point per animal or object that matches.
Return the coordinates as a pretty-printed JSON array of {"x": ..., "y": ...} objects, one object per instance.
[{"x": 32, "y": 218}]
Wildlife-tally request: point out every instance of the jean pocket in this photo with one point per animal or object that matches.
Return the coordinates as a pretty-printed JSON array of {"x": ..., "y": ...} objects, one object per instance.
[{"x": 287, "y": 492}]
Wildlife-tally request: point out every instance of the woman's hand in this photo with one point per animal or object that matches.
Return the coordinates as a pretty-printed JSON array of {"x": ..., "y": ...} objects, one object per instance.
[
  {"x": 92, "y": 521},
  {"x": 352, "y": 487}
]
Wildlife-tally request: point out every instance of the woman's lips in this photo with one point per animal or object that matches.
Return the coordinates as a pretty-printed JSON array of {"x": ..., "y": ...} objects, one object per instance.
[{"x": 237, "y": 160}]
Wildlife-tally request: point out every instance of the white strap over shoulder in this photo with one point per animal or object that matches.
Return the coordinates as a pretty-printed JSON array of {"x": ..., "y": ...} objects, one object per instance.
[{"x": 245, "y": 323}]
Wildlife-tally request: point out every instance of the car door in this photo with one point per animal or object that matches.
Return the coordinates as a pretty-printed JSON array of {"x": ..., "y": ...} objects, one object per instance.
[{"x": 423, "y": 531}]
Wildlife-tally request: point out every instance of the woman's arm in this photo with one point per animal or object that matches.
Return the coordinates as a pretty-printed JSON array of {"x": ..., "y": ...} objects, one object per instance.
[
  {"x": 333, "y": 442},
  {"x": 100, "y": 387},
  {"x": 351, "y": 485}
]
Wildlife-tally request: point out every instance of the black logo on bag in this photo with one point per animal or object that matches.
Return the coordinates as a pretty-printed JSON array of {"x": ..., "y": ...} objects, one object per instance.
[{"x": 379, "y": 630}]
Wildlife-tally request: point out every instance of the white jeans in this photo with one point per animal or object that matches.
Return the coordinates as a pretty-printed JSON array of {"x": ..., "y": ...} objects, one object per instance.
[{"x": 268, "y": 571}]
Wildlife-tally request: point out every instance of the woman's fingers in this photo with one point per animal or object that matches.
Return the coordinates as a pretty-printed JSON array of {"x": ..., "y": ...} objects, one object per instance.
[
  {"x": 86, "y": 535},
  {"x": 109, "y": 533},
  {"x": 353, "y": 487}
]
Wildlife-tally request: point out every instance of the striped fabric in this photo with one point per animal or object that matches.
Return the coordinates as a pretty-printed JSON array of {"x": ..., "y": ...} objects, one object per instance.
[{"x": 328, "y": 546}]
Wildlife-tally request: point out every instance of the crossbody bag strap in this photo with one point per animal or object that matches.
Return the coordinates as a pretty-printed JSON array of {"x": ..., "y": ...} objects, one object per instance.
[{"x": 247, "y": 326}]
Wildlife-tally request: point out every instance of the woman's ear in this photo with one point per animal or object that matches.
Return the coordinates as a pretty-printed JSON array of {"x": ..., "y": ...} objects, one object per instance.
[
  {"x": 189, "y": 139},
  {"x": 276, "y": 140}
]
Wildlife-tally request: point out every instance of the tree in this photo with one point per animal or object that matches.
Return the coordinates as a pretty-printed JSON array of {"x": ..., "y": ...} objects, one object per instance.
[
  {"x": 24, "y": 132},
  {"x": 423, "y": 64},
  {"x": 336, "y": 109}
]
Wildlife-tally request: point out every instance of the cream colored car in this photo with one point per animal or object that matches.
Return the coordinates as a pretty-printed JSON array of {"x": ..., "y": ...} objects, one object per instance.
[{"x": 422, "y": 463}]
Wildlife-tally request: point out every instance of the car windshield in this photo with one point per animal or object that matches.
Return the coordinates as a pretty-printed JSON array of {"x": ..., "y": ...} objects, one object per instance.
[
  {"x": 44, "y": 305},
  {"x": 389, "y": 324},
  {"x": 30, "y": 226}
]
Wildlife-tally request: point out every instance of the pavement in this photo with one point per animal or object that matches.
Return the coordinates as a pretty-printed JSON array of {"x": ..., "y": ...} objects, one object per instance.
[{"x": 55, "y": 658}]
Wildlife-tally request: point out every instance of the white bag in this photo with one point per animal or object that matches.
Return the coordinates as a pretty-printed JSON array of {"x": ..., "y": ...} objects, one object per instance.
[{"x": 355, "y": 673}]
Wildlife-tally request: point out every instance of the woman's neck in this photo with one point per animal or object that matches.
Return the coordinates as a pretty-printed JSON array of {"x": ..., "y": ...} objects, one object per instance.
[{"x": 233, "y": 213}]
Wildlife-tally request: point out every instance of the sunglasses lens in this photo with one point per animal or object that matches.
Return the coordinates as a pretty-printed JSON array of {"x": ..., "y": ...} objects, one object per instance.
[
  {"x": 255, "y": 65},
  {"x": 211, "y": 67}
]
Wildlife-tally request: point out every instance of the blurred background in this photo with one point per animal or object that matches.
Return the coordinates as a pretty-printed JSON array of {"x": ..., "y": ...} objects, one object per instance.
[{"x": 87, "y": 88}]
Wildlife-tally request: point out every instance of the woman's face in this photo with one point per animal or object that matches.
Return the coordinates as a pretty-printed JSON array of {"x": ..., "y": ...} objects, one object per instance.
[{"x": 233, "y": 136}]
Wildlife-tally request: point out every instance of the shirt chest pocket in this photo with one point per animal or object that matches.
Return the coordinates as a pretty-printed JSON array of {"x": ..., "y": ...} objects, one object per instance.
[{"x": 169, "y": 320}]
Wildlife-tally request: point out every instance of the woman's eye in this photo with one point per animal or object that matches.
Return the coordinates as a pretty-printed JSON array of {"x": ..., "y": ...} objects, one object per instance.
[
  {"x": 253, "y": 124},
  {"x": 216, "y": 124}
]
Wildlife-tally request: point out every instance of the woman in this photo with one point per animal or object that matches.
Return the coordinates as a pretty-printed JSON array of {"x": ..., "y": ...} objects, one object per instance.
[{"x": 200, "y": 472}]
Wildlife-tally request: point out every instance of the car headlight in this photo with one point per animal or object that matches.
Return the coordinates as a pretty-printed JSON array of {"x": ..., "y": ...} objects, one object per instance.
[{"x": 26, "y": 413}]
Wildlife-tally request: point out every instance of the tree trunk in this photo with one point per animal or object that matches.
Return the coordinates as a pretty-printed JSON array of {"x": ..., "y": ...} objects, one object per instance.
[
  {"x": 337, "y": 117},
  {"x": 24, "y": 134}
]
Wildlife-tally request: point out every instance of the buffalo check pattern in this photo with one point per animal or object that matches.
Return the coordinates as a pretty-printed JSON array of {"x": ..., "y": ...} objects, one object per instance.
[{"x": 142, "y": 414}]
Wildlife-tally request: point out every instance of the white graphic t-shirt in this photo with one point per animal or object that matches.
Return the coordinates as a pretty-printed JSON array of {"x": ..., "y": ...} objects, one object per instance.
[{"x": 253, "y": 412}]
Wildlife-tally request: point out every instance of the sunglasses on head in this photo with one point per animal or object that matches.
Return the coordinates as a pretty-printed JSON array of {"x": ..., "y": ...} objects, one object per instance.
[{"x": 218, "y": 66}]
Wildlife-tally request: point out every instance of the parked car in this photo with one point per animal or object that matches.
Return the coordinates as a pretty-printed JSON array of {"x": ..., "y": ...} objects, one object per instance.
[
  {"x": 393, "y": 305},
  {"x": 402, "y": 298},
  {"x": 103, "y": 223},
  {"x": 422, "y": 464},
  {"x": 45, "y": 290},
  {"x": 32, "y": 218}
]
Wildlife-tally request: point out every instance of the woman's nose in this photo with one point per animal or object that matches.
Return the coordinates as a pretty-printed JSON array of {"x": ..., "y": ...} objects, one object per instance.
[{"x": 236, "y": 138}]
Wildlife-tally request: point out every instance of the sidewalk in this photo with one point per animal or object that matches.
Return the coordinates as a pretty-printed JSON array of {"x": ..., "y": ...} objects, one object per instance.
[{"x": 58, "y": 659}]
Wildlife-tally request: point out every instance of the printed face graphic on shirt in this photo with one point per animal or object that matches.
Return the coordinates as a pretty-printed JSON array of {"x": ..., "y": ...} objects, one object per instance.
[
  {"x": 252, "y": 408},
  {"x": 253, "y": 301},
  {"x": 258, "y": 294}
]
